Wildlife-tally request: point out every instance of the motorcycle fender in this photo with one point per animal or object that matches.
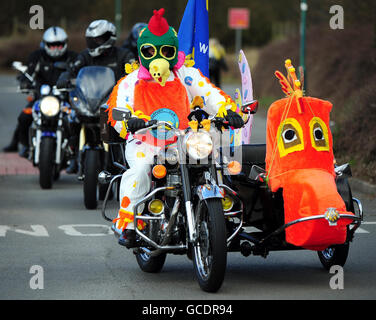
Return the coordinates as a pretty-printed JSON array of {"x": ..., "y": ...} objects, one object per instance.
[
  {"x": 209, "y": 191},
  {"x": 82, "y": 138},
  {"x": 48, "y": 134}
]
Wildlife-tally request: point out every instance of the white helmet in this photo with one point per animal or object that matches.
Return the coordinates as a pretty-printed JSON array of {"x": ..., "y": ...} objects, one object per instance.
[
  {"x": 100, "y": 35},
  {"x": 55, "y": 42}
]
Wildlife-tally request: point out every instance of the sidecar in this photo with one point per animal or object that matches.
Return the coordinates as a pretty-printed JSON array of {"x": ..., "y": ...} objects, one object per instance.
[
  {"x": 255, "y": 215},
  {"x": 290, "y": 194}
]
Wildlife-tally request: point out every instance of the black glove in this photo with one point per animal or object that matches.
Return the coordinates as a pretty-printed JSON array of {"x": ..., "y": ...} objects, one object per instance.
[
  {"x": 135, "y": 124},
  {"x": 64, "y": 81},
  {"x": 234, "y": 119}
]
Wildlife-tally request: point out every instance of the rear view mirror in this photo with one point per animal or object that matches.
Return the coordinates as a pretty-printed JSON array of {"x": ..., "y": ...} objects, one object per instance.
[
  {"x": 250, "y": 107},
  {"x": 120, "y": 115},
  {"x": 19, "y": 66}
]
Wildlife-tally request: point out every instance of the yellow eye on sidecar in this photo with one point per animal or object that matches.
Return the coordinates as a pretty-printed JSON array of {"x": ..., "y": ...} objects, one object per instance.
[
  {"x": 319, "y": 134},
  {"x": 290, "y": 137}
]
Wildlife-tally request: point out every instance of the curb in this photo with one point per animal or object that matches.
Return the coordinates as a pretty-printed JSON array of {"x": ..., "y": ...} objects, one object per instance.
[{"x": 363, "y": 187}]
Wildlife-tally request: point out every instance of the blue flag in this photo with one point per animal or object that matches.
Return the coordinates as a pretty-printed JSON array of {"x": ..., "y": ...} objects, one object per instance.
[{"x": 194, "y": 34}]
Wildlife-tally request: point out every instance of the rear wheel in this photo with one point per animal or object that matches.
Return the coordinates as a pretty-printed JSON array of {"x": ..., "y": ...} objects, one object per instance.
[
  {"x": 210, "y": 252},
  {"x": 91, "y": 170},
  {"x": 47, "y": 162},
  {"x": 334, "y": 255},
  {"x": 337, "y": 254}
]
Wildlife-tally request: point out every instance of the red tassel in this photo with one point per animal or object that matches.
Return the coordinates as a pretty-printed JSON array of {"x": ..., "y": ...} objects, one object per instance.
[{"x": 158, "y": 25}]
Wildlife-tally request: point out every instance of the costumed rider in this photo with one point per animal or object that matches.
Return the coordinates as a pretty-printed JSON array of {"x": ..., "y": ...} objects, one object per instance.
[
  {"x": 41, "y": 66},
  {"x": 101, "y": 51},
  {"x": 161, "y": 89}
]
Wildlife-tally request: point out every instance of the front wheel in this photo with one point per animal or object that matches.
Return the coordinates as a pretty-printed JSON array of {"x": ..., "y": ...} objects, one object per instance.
[
  {"x": 47, "y": 162},
  {"x": 334, "y": 255},
  {"x": 150, "y": 264},
  {"x": 210, "y": 251},
  {"x": 92, "y": 166}
]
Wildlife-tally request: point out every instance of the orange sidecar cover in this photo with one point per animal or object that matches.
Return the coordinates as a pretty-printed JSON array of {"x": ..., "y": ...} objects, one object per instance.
[{"x": 299, "y": 160}]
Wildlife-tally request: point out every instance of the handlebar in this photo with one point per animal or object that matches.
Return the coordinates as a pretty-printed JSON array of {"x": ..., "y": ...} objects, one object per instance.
[
  {"x": 154, "y": 124},
  {"x": 120, "y": 115}
]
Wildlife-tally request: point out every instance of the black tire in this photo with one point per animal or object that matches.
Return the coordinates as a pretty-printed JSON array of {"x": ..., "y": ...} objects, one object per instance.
[
  {"x": 47, "y": 162},
  {"x": 150, "y": 264},
  {"x": 92, "y": 166},
  {"x": 210, "y": 254},
  {"x": 334, "y": 255},
  {"x": 337, "y": 254}
]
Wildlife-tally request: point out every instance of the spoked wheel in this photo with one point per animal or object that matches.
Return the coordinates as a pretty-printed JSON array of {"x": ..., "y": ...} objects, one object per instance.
[
  {"x": 150, "y": 264},
  {"x": 210, "y": 252},
  {"x": 335, "y": 255}
]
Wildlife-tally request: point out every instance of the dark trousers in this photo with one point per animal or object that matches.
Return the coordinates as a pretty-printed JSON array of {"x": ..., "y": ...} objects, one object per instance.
[{"x": 24, "y": 122}]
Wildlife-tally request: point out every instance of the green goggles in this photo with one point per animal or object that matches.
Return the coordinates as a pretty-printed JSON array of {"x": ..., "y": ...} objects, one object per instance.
[{"x": 149, "y": 51}]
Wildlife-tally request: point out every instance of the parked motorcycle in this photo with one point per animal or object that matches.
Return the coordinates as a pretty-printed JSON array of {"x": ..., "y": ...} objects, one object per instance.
[
  {"x": 92, "y": 87},
  {"x": 48, "y": 132},
  {"x": 183, "y": 211}
]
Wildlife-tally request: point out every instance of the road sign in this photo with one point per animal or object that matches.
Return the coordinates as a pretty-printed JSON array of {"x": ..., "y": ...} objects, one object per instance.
[{"x": 238, "y": 18}]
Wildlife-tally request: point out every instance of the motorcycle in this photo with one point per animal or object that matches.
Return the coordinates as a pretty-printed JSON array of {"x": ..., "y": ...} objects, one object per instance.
[
  {"x": 86, "y": 98},
  {"x": 182, "y": 213},
  {"x": 48, "y": 132}
]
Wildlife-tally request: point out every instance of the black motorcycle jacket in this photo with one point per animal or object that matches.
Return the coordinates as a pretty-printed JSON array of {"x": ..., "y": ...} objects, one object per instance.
[
  {"x": 131, "y": 45},
  {"x": 114, "y": 58},
  {"x": 41, "y": 67}
]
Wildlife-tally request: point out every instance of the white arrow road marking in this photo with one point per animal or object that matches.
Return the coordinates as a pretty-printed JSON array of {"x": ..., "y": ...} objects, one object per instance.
[
  {"x": 71, "y": 230},
  {"x": 361, "y": 230},
  {"x": 37, "y": 231}
]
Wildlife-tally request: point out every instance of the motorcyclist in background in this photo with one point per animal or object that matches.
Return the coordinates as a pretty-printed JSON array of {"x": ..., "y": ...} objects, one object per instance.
[
  {"x": 217, "y": 61},
  {"x": 101, "y": 51},
  {"x": 40, "y": 65},
  {"x": 131, "y": 42}
]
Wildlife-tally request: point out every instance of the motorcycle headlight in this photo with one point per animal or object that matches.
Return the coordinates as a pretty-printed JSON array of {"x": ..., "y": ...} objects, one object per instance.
[
  {"x": 156, "y": 207},
  {"x": 199, "y": 145},
  {"x": 50, "y": 106},
  {"x": 169, "y": 156}
]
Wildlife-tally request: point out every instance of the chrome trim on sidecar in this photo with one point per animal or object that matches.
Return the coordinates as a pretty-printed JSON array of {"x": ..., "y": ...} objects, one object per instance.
[{"x": 357, "y": 221}]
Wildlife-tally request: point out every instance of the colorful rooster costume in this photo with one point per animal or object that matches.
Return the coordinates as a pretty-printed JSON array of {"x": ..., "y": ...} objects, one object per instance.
[
  {"x": 300, "y": 160},
  {"x": 161, "y": 89}
]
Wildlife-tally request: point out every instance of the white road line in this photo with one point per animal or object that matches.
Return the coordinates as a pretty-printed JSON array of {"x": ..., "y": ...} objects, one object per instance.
[
  {"x": 361, "y": 230},
  {"x": 9, "y": 90}
]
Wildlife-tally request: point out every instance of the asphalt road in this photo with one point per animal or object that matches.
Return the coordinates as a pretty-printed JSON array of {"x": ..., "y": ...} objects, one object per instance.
[{"x": 52, "y": 248}]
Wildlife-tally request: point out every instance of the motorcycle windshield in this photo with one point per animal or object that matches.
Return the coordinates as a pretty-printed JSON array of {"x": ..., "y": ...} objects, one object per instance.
[{"x": 93, "y": 85}]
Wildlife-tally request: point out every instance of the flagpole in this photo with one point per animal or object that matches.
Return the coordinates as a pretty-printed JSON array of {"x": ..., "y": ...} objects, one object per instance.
[
  {"x": 238, "y": 40},
  {"x": 303, "y": 10},
  {"x": 118, "y": 17}
]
